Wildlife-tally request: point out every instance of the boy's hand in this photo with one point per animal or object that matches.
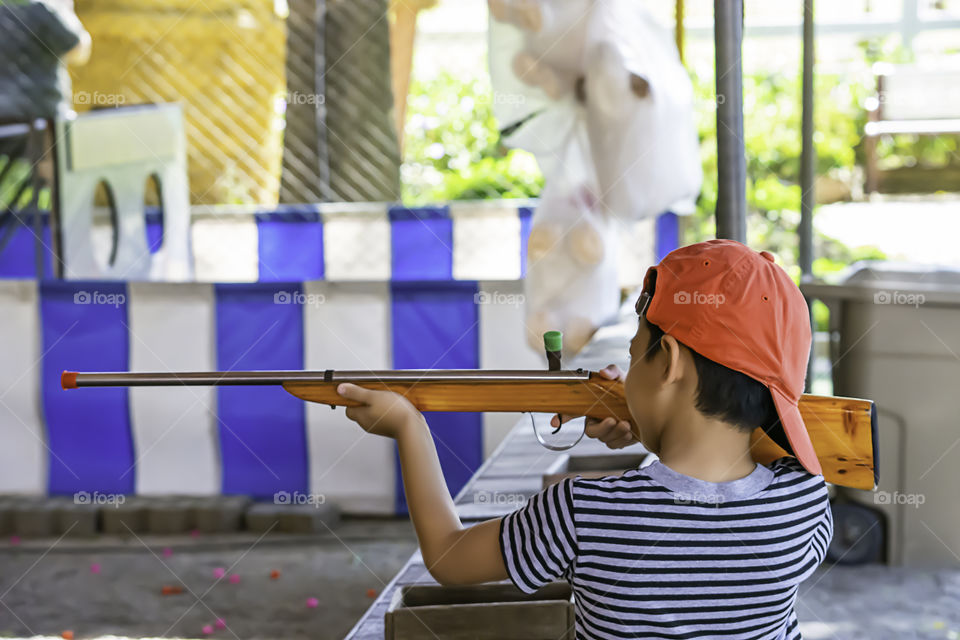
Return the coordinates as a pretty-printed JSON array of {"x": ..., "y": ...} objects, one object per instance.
[
  {"x": 614, "y": 434},
  {"x": 383, "y": 413}
]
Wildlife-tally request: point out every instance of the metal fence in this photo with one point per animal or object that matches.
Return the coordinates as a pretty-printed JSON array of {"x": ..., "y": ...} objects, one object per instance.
[
  {"x": 339, "y": 142},
  {"x": 222, "y": 60}
]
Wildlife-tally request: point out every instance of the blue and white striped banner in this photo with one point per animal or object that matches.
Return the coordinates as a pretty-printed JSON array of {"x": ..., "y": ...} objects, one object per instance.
[
  {"x": 298, "y": 243},
  {"x": 403, "y": 288},
  {"x": 255, "y": 441}
]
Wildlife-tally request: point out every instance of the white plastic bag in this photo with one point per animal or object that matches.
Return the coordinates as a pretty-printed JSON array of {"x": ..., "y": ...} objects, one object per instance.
[
  {"x": 562, "y": 61},
  {"x": 571, "y": 283},
  {"x": 595, "y": 90},
  {"x": 639, "y": 113}
]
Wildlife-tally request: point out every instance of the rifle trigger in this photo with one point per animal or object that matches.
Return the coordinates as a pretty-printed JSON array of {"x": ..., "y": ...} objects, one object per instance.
[{"x": 559, "y": 426}]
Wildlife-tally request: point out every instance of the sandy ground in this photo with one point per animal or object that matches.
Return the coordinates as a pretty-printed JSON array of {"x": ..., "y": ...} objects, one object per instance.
[{"x": 47, "y": 587}]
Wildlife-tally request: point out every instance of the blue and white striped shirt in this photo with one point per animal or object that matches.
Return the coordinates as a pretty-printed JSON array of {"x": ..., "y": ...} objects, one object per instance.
[{"x": 657, "y": 554}]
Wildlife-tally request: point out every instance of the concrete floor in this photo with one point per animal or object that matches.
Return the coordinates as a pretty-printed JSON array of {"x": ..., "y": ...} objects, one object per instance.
[
  {"x": 875, "y": 602},
  {"x": 47, "y": 587}
]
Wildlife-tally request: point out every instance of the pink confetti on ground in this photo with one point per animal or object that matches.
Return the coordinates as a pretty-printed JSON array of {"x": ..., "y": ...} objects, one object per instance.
[
  {"x": 221, "y": 623},
  {"x": 95, "y": 567},
  {"x": 167, "y": 552},
  {"x": 195, "y": 533},
  {"x": 207, "y": 629},
  {"x": 234, "y": 579},
  {"x": 312, "y": 603},
  {"x": 14, "y": 540},
  {"x": 219, "y": 572}
]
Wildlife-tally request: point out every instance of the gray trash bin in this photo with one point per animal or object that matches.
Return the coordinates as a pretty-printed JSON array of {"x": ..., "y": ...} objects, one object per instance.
[{"x": 896, "y": 331}]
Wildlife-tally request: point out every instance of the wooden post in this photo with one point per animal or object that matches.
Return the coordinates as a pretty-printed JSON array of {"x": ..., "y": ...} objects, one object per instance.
[
  {"x": 403, "y": 32},
  {"x": 678, "y": 28}
]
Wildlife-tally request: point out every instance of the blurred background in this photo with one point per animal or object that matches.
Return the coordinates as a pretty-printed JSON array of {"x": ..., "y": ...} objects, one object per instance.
[{"x": 373, "y": 184}]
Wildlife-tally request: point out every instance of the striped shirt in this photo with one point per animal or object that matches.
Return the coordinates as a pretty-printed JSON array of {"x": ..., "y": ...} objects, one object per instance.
[{"x": 657, "y": 554}]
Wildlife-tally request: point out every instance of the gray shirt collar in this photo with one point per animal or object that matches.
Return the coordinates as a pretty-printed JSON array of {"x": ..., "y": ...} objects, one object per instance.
[{"x": 696, "y": 490}]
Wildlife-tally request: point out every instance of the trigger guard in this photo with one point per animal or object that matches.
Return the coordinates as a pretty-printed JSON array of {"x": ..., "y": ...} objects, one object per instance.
[{"x": 553, "y": 447}]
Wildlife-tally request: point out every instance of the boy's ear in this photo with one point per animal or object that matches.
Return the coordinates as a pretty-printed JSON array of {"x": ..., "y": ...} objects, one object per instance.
[{"x": 673, "y": 350}]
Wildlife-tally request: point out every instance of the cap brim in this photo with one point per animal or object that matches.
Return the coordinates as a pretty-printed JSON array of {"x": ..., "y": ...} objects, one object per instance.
[{"x": 796, "y": 432}]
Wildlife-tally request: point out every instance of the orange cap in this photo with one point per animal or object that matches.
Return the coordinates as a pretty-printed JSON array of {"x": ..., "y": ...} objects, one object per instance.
[{"x": 735, "y": 306}]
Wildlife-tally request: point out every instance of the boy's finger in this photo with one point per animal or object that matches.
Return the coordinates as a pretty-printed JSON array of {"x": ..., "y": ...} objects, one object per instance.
[
  {"x": 559, "y": 419},
  {"x": 353, "y": 392},
  {"x": 611, "y": 372},
  {"x": 620, "y": 430},
  {"x": 615, "y": 431},
  {"x": 601, "y": 430},
  {"x": 622, "y": 442}
]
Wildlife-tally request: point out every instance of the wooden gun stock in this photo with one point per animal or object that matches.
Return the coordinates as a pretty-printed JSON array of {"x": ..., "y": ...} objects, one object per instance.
[{"x": 843, "y": 430}]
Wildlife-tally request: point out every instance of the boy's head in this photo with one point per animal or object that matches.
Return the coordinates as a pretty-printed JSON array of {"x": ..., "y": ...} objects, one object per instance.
[{"x": 724, "y": 328}]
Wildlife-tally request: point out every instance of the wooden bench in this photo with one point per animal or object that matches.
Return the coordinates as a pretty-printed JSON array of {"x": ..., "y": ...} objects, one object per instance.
[{"x": 912, "y": 100}]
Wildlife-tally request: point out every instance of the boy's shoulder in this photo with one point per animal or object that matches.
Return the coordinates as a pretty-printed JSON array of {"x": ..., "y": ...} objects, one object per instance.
[
  {"x": 638, "y": 479},
  {"x": 783, "y": 475},
  {"x": 789, "y": 470}
]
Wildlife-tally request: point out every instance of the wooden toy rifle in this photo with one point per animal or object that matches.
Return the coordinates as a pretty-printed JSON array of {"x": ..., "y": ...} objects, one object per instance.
[{"x": 843, "y": 430}]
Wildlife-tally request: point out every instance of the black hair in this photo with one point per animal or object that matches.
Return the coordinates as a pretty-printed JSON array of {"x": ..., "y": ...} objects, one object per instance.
[{"x": 726, "y": 394}]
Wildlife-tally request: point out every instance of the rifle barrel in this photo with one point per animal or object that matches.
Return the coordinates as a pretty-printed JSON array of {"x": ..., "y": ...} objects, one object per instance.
[{"x": 74, "y": 379}]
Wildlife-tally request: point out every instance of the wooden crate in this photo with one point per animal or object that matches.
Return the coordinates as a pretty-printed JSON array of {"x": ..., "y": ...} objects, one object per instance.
[
  {"x": 591, "y": 466},
  {"x": 496, "y": 611}
]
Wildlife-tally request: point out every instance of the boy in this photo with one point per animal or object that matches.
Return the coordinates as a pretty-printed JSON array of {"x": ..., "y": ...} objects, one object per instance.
[{"x": 702, "y": 543}]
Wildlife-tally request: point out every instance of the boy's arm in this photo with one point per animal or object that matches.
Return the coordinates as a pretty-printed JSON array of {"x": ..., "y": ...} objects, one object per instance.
[{"x": 453, "y": 554}]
